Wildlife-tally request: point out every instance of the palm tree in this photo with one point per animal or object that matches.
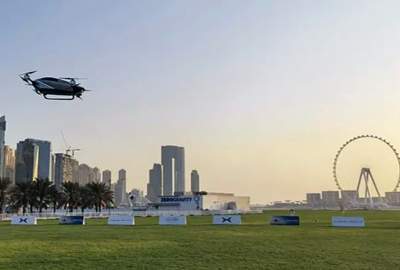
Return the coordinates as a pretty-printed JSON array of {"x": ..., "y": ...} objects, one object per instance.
[
  {"x": 4, "y": 185},
  {"x": 41, "y": 189},
  {"x": 57, "y": 197},
  {"x": 20, "y": 195},
  {"x": 32, "y": 197},
  {"x": 72, "y": 195},
  {"x": 101, "y": 195},
  {"x": 86, "y": 198}
]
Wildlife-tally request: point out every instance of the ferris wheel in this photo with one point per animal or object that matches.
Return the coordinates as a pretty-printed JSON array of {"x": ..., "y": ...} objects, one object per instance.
[{"x": 366, "y": 174}]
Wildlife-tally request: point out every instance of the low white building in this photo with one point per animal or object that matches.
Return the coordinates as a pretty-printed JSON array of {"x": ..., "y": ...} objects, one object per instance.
[{"x": 392, "y": 198}]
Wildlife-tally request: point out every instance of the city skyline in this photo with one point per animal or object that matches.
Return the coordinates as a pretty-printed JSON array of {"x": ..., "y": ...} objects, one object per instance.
[{"x": 261, "y": 94}]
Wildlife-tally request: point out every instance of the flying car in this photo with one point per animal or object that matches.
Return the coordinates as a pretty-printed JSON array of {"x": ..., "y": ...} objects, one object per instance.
[{"x": 55, "y": 88}]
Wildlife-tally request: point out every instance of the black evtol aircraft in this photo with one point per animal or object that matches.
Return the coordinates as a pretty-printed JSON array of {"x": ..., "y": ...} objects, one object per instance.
[{"x": 66, "y": 87}]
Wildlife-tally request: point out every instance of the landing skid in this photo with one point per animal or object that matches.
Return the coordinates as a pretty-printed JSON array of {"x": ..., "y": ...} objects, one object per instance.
[{"x": 45, "y": 96}]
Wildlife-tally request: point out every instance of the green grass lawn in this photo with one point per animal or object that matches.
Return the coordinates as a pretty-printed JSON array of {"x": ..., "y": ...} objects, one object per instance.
[{"x": 253, "y": 245}]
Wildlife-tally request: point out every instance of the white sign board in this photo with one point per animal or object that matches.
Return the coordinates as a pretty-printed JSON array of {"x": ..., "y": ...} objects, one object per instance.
[
  {"x": 348, "y": 222},
  {"x": 23, "y": 220},
  {"x": 121, "y": 220},
  {"x": 172, "y": 220},
  {"x": 227, "y": 219}
]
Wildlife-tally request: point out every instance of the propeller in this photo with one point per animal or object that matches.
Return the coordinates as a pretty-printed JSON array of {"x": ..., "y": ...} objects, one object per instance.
[
  {"x": 25, "y": 77},
  {"x": 28, "y": 73}
]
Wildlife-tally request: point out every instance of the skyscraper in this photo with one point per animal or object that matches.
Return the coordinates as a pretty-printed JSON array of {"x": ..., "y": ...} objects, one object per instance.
[
  {"x": 195, "y": 181},
  {"x": 66, "y": 169},
  {"x": 9, "y": 163},
  {"x": 26, "y": 161},
  {"x": 2, "y": 142},
  {"x": 120, "y": 189},
  {"x": 107, "y": 177},
  {"x": 173, "y": 162},
  {"x": 96, "y": 175},
  {"x": 154, "y": 190},
  {"x": 84, "y": 174},
  {"x": 53, "y": 168},
  {"x": 44, "y": 167},
  {"x": 122, "y": 175}
]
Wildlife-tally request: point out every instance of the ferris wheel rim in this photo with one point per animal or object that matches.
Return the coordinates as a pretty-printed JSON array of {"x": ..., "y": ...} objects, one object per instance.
[{"x": 338, "y": 153}]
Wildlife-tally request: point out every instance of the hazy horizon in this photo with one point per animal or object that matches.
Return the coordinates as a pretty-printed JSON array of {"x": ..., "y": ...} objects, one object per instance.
[{"x": 260, "y": 93}]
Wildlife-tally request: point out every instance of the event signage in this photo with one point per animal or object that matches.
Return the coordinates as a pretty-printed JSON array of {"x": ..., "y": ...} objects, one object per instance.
[
  {"x": 23, "y": 220},
  {"x": 121, "y": 220},
  {"x": 285, "y": 220},
  {"x": 172, "y": 220},
  {"x": 72, "y": 220},
  {"x": 348, "y": 222},
  {"x": 227, "y": 219}
]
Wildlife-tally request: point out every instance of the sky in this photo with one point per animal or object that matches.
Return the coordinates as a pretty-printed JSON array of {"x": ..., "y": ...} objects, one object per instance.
[{"x": 260, "y": 93}]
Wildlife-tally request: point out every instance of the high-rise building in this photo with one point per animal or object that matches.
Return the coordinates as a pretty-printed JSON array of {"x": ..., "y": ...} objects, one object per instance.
[
  {"x": 2, "y": 142},
  {"x": 122, "y": 175},
  {"x": 195, "y": 181},
  {"x": 120, "y": 189},
  {"x": 53, "y": 168},
  {"x": 96, "y": 175},
  {"x": 87, "y": 174},
  {"x": 107, "y": 177},
  {"x": 26, "y": 161},
  {"x": 154, "y": 190},
  {"x": 66, "y": 169},
  {"x": 75, "y": 169},
  {"x": 314, "y": 199},
  {"x": 84, "y": 174},
  {"x": 173, "y": 162},
  {"x": 44, "y": 167},
  {"x": 9, "y": 163}
]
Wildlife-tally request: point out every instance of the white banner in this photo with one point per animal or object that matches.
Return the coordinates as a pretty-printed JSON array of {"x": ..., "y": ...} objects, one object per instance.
[
  {"x": 227, "y": 219},
  {"x": 348, "y": 222},
  {"x": 172, "y": 220},
  {"x": 23, "y": 220},
  {"x": 121, "y": 220}
]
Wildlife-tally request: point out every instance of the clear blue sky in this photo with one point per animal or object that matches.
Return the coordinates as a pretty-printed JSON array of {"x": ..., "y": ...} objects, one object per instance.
[{"x": 260, "y": 93}]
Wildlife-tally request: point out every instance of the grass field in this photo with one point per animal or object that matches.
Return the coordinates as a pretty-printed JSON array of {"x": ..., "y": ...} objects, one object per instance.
[{"x": 252, "y": 245}]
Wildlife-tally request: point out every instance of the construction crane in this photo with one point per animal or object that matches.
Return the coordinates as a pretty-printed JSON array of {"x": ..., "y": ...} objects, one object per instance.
[
  {"x": 71, "y": 150},
  {"x": 68, "y": 147}
]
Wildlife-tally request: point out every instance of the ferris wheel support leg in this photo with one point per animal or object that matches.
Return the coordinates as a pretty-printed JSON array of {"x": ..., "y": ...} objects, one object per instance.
[
  {"x": 359, "y": 182},
  {"x": 367, "y": 193},
  {"x": 376, "y": 187}
]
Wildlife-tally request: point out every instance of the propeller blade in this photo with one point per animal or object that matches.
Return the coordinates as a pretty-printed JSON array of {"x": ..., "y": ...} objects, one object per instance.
[{"x": 27, "y": 73}]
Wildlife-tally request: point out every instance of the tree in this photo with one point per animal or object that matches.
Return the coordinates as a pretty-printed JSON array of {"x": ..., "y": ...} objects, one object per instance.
[
  {"x": 72, "y": 195},
  {"x": 4, "y": 186},
  {"x": 41, "y": 191},
  {"x": 20, "y": 196},
  {"x": 86, "y": 198},
  {"x": 101, "y": 195},
  {"x": 57, "y": 198},
  {"x": 32, "y": 197}
]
